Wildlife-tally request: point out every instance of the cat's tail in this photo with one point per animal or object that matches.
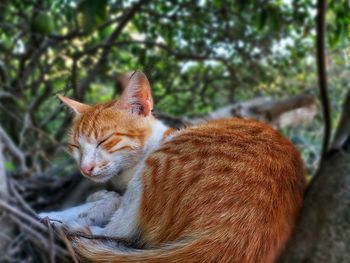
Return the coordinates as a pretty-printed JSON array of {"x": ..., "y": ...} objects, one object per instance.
[{"x": 182, "y": 251}]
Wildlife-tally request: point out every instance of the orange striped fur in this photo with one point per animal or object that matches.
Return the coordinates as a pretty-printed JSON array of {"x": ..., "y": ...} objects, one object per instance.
[
  {"x": 224, "y": 191},
  {"x": 235, "y": 184}
]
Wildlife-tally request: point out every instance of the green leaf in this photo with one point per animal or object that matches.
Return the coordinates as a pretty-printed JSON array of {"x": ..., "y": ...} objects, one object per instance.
[
  {"x": 43, "y": 24},
  {"x": 9, "y": 166},
  {"x": 94, "y": 13},
  {"x": 262, "y": 19}
]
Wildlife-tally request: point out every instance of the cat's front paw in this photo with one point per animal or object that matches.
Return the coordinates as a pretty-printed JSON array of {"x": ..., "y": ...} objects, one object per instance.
[
  {"x": 52, "y": 217},
  {"x": 96, "y": 230},
  {"x": 58, "y": 219},
  {"x": 50, "y": 222},
  {"x": 67, "y": 227}
]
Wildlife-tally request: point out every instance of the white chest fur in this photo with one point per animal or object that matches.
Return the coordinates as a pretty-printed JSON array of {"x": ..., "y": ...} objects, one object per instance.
[{"x": 124, "y": 220}]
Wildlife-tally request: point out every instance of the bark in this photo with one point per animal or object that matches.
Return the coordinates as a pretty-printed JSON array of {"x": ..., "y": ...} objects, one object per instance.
[
  {"x": 322, "y": 234},
  {"x": 323, "y": 231}
]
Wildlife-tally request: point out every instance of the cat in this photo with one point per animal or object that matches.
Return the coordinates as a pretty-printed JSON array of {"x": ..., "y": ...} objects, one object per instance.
[{"x": 223, "y": 191}]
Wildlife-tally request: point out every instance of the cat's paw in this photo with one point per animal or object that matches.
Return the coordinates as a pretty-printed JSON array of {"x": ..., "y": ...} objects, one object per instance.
[
  {"x": 96, "y": 230},
  {"x": 52, "y": 223},
  {"x": 43, "y": 215},
  {"x": 53, "y": 217},
  {"x": 59, "y": 219},
  {"x": 74, "y": 226},
  {"x": 100, "y": 195}
]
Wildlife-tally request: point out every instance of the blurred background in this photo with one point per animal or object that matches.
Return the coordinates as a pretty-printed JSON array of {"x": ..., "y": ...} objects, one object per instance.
[{"x": 203, "y": 58}]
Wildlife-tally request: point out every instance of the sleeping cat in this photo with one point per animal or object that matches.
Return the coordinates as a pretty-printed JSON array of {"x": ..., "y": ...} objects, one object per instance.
[{"x": 224, "y": 191}]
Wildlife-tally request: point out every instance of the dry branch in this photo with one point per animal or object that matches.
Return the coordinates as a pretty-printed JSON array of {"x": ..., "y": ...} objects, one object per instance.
[
  {"x": 278, "y": 113},
  {"x": 13, "y": 149}
]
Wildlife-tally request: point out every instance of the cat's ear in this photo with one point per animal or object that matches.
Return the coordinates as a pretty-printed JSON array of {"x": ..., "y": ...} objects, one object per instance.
[
  {"x": 77, "y": 107},
  {"x": 123, "y": 80},
  {"x": 136, "y": 97}
]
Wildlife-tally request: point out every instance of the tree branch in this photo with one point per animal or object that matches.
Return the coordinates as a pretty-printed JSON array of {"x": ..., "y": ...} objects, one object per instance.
[
  {"x": 263, "y": 109},
  {"x": 124, "y": 20},
  {"x": 178, "y": 55},
  {"x": 14, "y": 150},
  {"x": 322, "y": 73}
]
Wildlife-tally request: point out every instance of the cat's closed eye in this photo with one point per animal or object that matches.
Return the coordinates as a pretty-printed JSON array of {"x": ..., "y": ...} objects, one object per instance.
[
  {"x": 103, "y": 141},
  {"x": 71, "y": 145}
]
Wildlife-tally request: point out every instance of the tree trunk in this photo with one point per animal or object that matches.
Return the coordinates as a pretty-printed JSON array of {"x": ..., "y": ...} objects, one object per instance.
[
  {"x": 323, "y": 230},
  {"x": 322, "y": 234}
]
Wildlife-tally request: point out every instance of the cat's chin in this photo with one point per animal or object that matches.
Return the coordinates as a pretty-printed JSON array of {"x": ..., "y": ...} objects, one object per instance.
[{"x": 100, "y": 178}]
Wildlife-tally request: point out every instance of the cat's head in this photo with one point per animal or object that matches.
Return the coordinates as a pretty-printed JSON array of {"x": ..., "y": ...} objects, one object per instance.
[{"x": 107, "y": 138}]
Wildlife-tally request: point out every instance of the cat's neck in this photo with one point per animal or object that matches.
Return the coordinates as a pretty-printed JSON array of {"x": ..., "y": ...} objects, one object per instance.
[
  {"x": 155, "y": 139},
  {"x": 159, "y": 131}
]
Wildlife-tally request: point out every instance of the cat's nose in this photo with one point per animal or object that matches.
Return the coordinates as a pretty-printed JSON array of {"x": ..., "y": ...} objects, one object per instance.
[{"x": 87, "y": 169}]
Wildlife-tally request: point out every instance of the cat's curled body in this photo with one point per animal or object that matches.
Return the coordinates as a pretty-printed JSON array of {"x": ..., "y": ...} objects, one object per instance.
[{"x": 223, "y": 191}]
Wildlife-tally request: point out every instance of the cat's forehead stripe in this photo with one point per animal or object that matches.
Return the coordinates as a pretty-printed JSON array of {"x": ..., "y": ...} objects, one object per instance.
[
  {"x": 87, "y": 125},
  {"x": 90, "y": 123}
]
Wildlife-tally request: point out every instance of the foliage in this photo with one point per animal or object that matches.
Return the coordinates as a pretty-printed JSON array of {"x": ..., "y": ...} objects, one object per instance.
[{"x": 199, "y": 55}]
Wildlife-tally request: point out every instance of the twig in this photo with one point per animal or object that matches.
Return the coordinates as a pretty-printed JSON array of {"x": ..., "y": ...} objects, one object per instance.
[
  {"x": 15, "y": 244},
  {"x": 51, "y": 243},
  {"x": 175, "y": 53},
  {"x": 22, "y": 215},
  {"x": 13, "y": 149},
  {"x": 7, "y": 95},
  {"x": 20, "y": 200},
  {"x": 68, "y": 245},
  {"x": 37, "y": 235}
]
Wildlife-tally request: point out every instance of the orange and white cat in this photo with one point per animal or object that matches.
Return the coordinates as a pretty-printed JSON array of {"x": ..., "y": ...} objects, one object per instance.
[{"x": 224, "y": 191}]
